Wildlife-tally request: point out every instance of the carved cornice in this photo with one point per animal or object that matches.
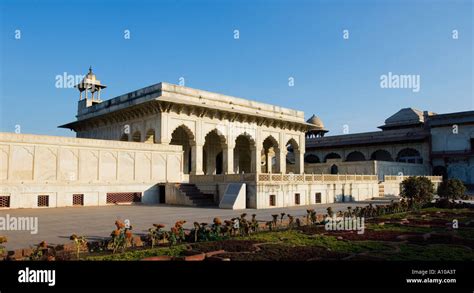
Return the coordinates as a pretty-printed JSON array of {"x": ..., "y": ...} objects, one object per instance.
[{"x": 157, "y": 106}]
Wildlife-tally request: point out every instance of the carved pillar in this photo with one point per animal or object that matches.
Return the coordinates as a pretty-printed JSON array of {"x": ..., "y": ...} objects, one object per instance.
[
  {"x": 281, "y": 160},
  {"x": 268, "y": 157},
  {"x": 301, "y": 153},
  {"x": 210, "y": 160},
  {"x": 196, "y": 160},
  {"x": 186, "y": 162},
  {"x": 299, "y": 162},
  {"x": 255, "y": 166},
  {"x": 228, "y": 159},
  {"x": 162, "y": 130}
]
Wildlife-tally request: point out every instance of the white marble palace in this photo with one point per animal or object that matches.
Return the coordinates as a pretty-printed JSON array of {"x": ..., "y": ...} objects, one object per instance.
[{"x": 177, "y": 145}]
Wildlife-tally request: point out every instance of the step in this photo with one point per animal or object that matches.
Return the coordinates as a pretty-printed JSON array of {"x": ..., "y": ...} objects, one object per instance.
[
  {"x": 195, "y": 195},
  {"x": 200, "y": 197},
  {"x": 386, "y": 198}
]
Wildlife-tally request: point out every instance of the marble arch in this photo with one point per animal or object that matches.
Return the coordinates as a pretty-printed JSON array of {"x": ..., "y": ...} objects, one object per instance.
[
  {"x": 184, "y": 137},
  {"x": 270, "y": 155},
  {"x": 292, "y": 142},
  {"x": 214, "y": 144},
  {"x": 244, "y": 158},
  {"x": 186, "y": 129}
]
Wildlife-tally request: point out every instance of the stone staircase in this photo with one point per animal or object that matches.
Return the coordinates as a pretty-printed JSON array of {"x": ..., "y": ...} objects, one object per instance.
[{"x": 196, "y": 196}]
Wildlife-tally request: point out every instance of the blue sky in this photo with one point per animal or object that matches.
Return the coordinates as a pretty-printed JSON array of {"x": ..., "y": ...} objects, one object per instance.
[{"x": 334, "y": 78}]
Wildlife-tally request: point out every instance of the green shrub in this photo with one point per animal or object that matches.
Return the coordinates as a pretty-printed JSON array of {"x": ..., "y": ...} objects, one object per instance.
[
  {"x": 3, "y": 239},
  {"x": 417, "y": 190},
  {"x": 452, "y": 189}
]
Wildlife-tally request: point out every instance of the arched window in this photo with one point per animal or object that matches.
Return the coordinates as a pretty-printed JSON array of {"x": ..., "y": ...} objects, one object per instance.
[
  {"x": 355, "y": 156},
  {"x": 334, "y": 169},
  {"x": 311, "y": 159},
  {"x": 409, "y": 155},
  {"x": 331, "y": 156},
  {"x": 137, "y": 136},
  {"x": 381, "y": 155}
]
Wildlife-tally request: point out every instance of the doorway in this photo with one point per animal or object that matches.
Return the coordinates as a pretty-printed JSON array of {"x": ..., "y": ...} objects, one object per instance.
[{"x": 162, "y": 193}]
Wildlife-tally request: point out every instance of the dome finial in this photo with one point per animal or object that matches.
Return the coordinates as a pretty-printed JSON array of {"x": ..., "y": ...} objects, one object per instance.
[{"x": 90, "y": 84}]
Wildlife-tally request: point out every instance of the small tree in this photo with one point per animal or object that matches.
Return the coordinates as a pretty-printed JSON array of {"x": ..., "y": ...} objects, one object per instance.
[
  {"x": 417, "y": 190},
  {"x": 121, "y": 237},
  {"x": 156, "y": 234},
  {"x": 3, "y": 239},
  {"x": 254, "y": 223},
  {"x": 79, "y": 242},
  {"x": 275, "y": 221},
  {"x": 330, "y": 212},
  {"x": 452, "y": 189},
  {"x": 176, "y": 234}
]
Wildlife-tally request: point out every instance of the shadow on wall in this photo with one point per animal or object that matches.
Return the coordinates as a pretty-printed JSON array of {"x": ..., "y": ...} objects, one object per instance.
[
  {"x": 343, "y": 198},
  {"x": 154, "y": 195}
]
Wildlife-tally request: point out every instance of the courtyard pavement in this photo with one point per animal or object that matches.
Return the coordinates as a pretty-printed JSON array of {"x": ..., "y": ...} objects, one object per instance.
[{"x": 55, "y": 225}]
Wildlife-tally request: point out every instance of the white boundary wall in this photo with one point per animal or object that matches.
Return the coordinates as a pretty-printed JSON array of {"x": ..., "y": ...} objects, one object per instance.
[{"x": 32, "y": 165}]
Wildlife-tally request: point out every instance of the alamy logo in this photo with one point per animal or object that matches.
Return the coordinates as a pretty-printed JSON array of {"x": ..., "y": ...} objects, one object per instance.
[
  {"x": 400, "y": 81},
  {"x": 68, "y": 81},
  {"x": 37, "y": 276},
  {"x": 345, "y": 224},
  {"x": 8, "y": 223}
]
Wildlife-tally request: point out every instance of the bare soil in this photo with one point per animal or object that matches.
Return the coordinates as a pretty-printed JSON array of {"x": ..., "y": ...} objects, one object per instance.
[
  {"x": 278, "y": 252},
  {"x": 227, "y": 245}
]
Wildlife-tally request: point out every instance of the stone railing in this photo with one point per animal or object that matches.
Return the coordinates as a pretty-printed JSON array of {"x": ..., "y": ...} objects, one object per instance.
[
  {"x": 267, "y": 177},
  {"x": 223, "y": 178},
  {"x": 435, "y": 179},
  {"x": 281, "y": 178}
]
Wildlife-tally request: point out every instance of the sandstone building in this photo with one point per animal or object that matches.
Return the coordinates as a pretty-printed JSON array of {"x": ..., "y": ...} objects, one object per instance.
[{"x": 411, "y": 143}]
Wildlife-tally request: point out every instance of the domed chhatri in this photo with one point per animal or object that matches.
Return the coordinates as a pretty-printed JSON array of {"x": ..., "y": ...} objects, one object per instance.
[
  {"x": 92, "y": 84},
  {"x": 316, "y": 121},
  {"x": 317, "y": 130}
]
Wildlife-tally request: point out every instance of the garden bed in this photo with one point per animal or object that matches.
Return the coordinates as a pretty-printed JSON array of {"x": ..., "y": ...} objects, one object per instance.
[
  {"x": 279, "y": 252},
  {"x": 415, "y": 235},
  {"x": 226, "y": 245},
  {"x": 444, "y": 239},
  {"x": 378, "y": 235}
]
